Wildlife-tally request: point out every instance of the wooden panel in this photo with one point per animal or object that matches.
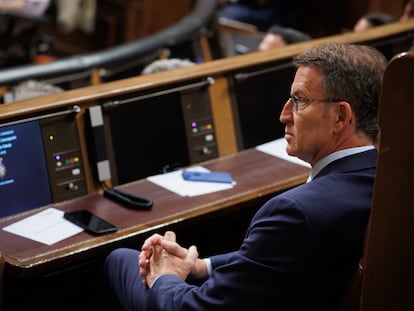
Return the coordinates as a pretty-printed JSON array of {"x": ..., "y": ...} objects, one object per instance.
[
  {"x": 146, "y": 17},
  {"x": 271, "y": 175},
  {"x": 388, "y": 278},
  {"x": 223, "y": 117},
  {"x": 392, "y": 7}
]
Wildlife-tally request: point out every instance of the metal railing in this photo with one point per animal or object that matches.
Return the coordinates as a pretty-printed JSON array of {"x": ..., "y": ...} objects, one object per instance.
[{"x": 188, "y": 27}]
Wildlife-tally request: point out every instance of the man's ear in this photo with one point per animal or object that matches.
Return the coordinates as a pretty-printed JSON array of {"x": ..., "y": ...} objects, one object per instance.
[{"x": 344, "y": 112}]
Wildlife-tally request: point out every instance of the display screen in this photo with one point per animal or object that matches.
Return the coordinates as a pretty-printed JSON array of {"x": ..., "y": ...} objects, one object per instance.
[
  {"x": 24, "y": 182},
  {"x": 259, "y": 99},
  {"x": 146, "y": 137}
]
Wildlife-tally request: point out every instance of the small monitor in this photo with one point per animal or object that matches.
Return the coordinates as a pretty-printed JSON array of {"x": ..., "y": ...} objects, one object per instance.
[
  {"x": 158, "y": 131},
  {"x": 24, "y": 181},
  {"x": 259, "y": 95},
  {"x": 40, "y": 162},
  {"x": 146, "y": 138}
]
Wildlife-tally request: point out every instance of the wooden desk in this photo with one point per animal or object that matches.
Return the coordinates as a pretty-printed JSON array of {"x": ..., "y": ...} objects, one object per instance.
[{"x": 258, "y": 176}]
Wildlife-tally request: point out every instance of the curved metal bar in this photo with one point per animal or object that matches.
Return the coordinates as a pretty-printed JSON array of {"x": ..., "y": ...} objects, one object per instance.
[
  {"x": 111, "y": 104},
  {"x": 187, "y": 27},
  {"x": 73, "y": 110}
]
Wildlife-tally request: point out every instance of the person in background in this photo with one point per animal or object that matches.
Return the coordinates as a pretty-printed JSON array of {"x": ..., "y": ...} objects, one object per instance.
[
  {"x": 76, "y": 14},
  {"x": 30, "y": 89},
  {"x": 166, "y": 64},
  {"x": 303, "y": 245},
  {"x": 20, "y": 39},
  {"x": 265, "y": 13},
  {"x": 371, "y": 20},
  {"x": 278, "y": 36},
  {"x": 407, "y": 14},
  {"x": 408, "y": 10},
  {"x": 26, "y": 8}
]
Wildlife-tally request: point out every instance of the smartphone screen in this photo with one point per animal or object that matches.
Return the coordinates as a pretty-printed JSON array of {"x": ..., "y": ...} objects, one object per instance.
[{"x": 90, "y": 222}]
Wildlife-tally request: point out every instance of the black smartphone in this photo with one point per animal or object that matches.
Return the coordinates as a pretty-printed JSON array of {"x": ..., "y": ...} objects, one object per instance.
[{"x": 89, "y": 222}]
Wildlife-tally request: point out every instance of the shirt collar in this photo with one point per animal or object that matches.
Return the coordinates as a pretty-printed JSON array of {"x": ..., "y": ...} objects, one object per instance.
[{"x": 333, "y": 157}]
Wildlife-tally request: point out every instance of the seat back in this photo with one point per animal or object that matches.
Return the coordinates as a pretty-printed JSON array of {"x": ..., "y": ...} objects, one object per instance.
[
  {"x": 352, "y": 296},
  {"x": 389, "y": 272},
  {"x": 383, "y": 280},
  {"x": 378, "y": 282},
  {"x": 2, "y": 263}
]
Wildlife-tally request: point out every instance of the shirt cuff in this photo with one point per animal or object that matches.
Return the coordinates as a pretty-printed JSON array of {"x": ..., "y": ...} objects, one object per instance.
[{"x": 209, "y": 267}]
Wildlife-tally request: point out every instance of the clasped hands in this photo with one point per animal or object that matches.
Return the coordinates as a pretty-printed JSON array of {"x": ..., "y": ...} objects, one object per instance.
[{"x": 163, "y": 255}]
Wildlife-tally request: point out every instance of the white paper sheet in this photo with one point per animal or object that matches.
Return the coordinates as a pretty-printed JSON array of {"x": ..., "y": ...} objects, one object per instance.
[
  {"x": 277, "y": 148},
  {"x": 174, "y": 182},
  {"x": 46, "y": 227}
]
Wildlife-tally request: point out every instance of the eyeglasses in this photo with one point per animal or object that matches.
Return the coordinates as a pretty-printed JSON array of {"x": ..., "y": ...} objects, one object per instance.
[{"x": 298, "y": 102}]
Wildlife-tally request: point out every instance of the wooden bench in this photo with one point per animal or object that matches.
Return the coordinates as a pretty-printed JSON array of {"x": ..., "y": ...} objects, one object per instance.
[
  {"x": 383, "y": 279},
  {"x": 389, "y": 272}
]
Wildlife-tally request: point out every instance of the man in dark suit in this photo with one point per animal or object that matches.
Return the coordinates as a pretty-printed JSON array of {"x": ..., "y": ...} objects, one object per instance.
[{"x": 303, "y": 245}]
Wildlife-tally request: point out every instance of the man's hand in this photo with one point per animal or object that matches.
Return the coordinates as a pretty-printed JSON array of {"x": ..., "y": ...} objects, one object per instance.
[
  {"x": 163, "y": 262},
  {"x": 162, "y": 255},
  {"x": 146, "y": 252}
]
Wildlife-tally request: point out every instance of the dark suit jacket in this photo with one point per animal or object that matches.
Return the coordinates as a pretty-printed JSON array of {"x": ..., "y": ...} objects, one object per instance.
[{"x": 299, "y": 252}]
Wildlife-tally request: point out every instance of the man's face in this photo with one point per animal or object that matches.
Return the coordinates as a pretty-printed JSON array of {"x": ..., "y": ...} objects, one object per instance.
[{"x": 309, "y": 132}]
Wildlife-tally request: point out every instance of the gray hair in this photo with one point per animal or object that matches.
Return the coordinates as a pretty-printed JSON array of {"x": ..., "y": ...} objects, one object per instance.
[
  {"x": 166, "y": 64},
  {"x": 31, "y": 89},
  {"x": 352, "y": 73},
  {"x": 289, "y": 35}
]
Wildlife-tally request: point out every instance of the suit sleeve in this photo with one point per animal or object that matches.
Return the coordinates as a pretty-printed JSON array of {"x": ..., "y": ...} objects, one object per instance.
[{"x": 262, "y": 270}]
